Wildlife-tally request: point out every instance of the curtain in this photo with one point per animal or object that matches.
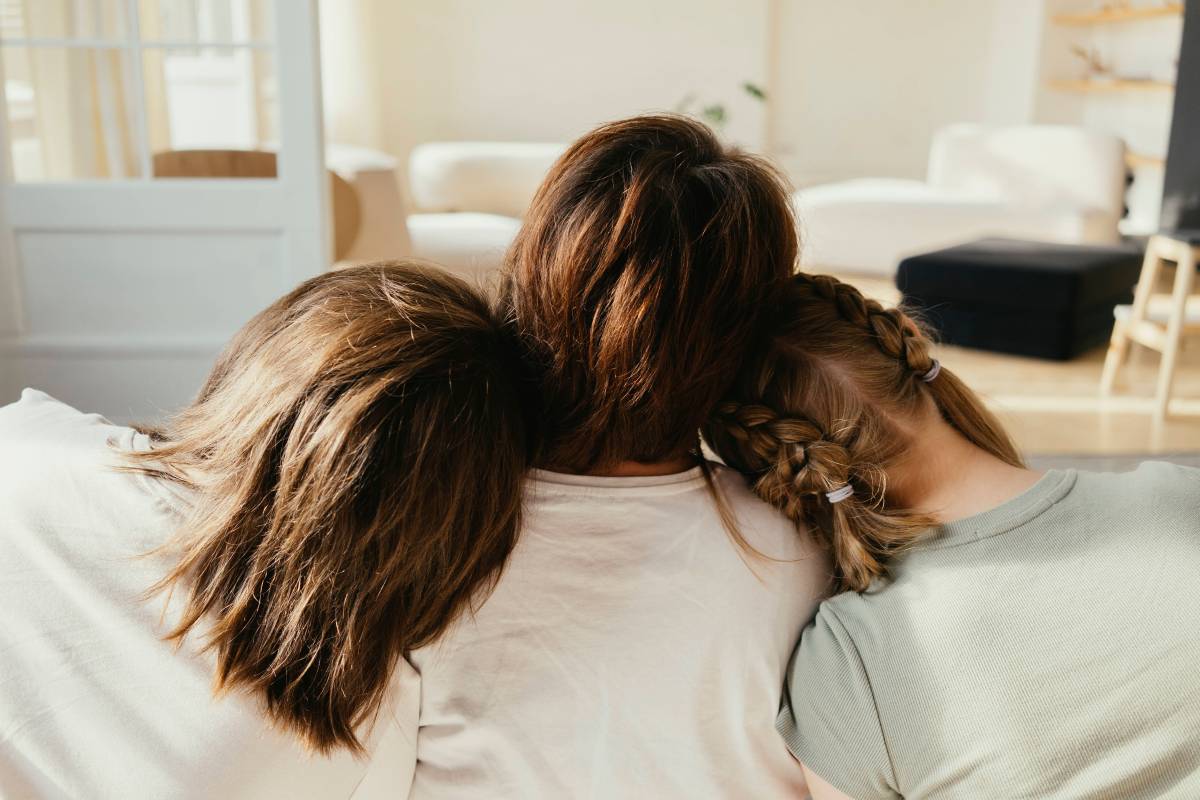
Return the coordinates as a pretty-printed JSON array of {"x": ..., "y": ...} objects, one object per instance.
[{"x": 82, "y": 120}]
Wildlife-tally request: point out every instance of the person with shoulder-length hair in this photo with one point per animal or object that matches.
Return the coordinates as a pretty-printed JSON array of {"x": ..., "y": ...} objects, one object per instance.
[
  {"x": 346, "y": 485},
  {"x": 1000, "y": 632},
  {"x": 632, "y": 647}
]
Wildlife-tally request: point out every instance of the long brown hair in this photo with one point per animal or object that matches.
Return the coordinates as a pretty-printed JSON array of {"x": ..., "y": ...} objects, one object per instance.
[
  {"x": 639, "y": 281},
  {"x": 830, "y": 402},
  {"x": 355, "y": 461}
]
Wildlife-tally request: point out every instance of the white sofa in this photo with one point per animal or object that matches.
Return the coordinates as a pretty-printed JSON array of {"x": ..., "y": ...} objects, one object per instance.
[
  {"x": 1048, "y": 183},
  {"x": 469, "y": 198}
]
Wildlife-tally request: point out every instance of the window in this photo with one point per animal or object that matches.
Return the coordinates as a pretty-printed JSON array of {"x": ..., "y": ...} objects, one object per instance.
[{"x": 96, "y": 89}]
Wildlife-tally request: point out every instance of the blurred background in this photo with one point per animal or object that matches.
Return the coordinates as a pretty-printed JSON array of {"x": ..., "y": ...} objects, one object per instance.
[{"x": 1009, "y": 168}]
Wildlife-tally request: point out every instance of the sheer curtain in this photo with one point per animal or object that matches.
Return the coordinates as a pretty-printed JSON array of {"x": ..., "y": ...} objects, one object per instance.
[{"x": 69, "y": 107}]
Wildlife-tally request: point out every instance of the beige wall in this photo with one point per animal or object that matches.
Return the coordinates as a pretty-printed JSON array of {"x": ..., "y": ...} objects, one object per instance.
[
  {"x": 550, "y": 69},
  {"x": 533, "y": 70},
  {"x": 858, "y": 86},
  {"x": 350, "y": 73},
  {"x": 863, "y": 84}
]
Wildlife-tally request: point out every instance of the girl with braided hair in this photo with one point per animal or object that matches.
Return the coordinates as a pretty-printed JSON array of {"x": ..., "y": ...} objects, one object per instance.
[{"x": 1000, "y": 632}]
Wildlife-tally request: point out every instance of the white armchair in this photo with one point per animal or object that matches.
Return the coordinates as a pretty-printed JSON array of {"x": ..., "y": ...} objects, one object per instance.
[
  {"x": 470, "y": 197},
  {"x": 1047, "y": 183}
]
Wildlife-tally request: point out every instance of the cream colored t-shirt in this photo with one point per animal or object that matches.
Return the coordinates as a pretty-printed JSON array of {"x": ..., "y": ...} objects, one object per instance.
[
  {"x": 93, "y": 704},
  {"x": 630, "y": 650},
  {"x": 1049, "y": 648}
]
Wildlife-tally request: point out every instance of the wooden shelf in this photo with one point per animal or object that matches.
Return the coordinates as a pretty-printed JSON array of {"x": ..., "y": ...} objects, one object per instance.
[
  {"x": 1120, "y": 15},
  {"x": 1138, "y": 160},
  {"x": 1116, "y": 85}
]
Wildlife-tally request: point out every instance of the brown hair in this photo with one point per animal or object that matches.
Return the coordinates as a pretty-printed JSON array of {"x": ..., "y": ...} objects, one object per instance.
[
  {"x": 638, "y": 282},
  {"x": 356, "y": 459},
  {"x": 831, "y": 402}
]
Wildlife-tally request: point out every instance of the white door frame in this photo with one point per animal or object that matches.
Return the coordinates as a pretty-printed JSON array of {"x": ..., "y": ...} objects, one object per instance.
[{"x": 294, "y": 206}]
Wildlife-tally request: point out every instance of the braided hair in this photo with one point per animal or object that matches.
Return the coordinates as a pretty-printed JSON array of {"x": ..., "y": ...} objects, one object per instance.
[{"x": 817, "y": 419}]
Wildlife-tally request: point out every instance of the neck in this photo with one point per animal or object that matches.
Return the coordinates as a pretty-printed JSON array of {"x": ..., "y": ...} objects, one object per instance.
[
  {"x": 640, "y": 469},
  {"x": 947, "y": 477}
]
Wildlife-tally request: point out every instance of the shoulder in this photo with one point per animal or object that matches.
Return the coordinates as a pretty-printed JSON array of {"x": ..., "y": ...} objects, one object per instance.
[
  {"x": 42, "y": 439},
  {"x": 1169, "y": 479},
  {"x": 1154, "y": 491},
  {"x": 837, "y": 633},
  {"x": 764, "y": 526},
  {"x": 830, "y": 720},
  {"x": 37, "y": 419},
  {"x": 38, "y": 416}
]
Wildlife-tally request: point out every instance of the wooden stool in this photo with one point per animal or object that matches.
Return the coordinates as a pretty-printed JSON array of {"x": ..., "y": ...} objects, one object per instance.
[{"x": 1165, "y": 337}]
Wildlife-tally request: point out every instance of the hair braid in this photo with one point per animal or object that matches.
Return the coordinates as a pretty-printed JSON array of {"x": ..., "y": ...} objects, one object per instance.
[
  {"x": 831, "y": 402},
  {"x": 792, "y": 452},
  {"x": 892, "y": 331},
  {"x": 793, "y": 463},
  {"x": 898, "y": 336}
]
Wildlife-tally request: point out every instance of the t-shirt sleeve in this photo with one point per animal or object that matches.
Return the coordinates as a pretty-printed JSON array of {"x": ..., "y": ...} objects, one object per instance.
[
  {"x": 393, "y": 763},
  {"x": 829, "y": 718},
  {"x": 38, "y": 421},
  {"x": 32, "y": 409}
]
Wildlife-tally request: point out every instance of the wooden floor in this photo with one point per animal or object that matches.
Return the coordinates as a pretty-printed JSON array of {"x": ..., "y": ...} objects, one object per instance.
[{"x": 1054, "y": 407}]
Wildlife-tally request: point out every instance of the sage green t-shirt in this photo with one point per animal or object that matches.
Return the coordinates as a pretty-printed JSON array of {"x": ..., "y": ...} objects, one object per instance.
[{"x": 1049, "y": 648}]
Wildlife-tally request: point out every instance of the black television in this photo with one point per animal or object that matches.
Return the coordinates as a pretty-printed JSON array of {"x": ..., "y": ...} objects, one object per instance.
[{"x": 1181, "y": 184}]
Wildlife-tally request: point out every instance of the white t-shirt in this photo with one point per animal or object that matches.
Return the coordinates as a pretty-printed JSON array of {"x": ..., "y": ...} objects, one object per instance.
[
  {"x": 93, "y": 704},
  {"x": 630, "y": 650}
]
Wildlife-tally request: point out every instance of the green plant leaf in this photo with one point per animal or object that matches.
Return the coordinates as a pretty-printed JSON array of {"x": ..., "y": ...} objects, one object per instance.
[
  {"x": 754, "y": 90},
  {"x": 714, "y": 115},
  {"x": 685, "y": 103}
]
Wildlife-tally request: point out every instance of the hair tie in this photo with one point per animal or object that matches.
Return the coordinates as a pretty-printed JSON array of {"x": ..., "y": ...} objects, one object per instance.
[
  {"x": 839, "y": 494},
  {"x": 934, "y": 371}
]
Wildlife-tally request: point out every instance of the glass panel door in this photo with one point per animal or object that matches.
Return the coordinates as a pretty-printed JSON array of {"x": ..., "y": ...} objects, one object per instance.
[
  {"x": 118, "y": 289},
  {"x": 102, "y": 89}
]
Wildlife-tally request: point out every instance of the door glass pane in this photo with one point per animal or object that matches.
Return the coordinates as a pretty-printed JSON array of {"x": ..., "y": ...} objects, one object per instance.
[
  {"x": 209, "y": 98},
  {"x": 207, "y": 21},
  {"x": 266, "y": 97},
  {"x": 59, "y": 19},
  {"x": 70, "y": 113}
]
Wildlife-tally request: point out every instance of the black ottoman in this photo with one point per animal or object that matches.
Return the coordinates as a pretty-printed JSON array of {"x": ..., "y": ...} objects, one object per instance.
[{"x": 1027, "y": 298}]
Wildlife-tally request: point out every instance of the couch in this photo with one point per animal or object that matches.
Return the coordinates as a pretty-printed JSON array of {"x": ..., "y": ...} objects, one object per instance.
[
  {"x": 469, "y": 198},
  {"x": 1050, "y": 183}
]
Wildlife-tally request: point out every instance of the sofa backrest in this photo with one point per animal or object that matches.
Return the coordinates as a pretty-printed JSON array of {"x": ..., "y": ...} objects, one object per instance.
[
  {"x": 488, "y": 177},
  {"x": 1038, "y": 165}
]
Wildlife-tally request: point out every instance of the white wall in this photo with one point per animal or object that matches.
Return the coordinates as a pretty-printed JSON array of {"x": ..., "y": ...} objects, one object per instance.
[
  {"x": 1014, "y": 61},
  {"x": 857, "y": 86},
  {"x": 534, "y": 70},
  {"x": 350, "y": 74},
  {"x": 861, "y": 85}
]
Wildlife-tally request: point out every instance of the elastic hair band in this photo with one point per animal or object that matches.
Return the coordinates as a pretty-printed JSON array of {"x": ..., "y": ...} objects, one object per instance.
[
  {"x": 839, "y": 494},
  {"x": 934, "y": 371}
]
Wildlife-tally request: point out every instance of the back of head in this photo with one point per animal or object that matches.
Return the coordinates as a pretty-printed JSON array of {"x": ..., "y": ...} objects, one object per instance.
[
  {"x": 356, "y": 458},
  {"x": 638, "y": 282},
  {"x": 834, "y": 401}
]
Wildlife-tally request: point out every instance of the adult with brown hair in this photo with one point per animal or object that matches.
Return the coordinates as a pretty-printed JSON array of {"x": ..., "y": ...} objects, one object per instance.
[
  {"x": 1001, "y": 632},
  {"x": 346, "y": 485},
  {"x": 632, "y": 647}
]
